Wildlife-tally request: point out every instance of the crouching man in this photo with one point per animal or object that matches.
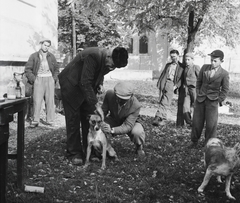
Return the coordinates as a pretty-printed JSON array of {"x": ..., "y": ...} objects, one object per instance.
[{"x": 121, "y": 110}]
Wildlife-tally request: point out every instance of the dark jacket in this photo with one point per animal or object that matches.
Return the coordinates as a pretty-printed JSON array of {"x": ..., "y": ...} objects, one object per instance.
[
  {"x": 82, "y": 76},
  {"x": 128, "y": 115},
  {"x": 191, "y": 75},
  {"x": 163, "y": 77},
  {"x": 33, "y": 64},
  {"x": 214, "y": 88}
]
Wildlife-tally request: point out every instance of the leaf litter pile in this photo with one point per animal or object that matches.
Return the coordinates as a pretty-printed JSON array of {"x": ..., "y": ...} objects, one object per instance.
[{"x": 170, "y": 172}]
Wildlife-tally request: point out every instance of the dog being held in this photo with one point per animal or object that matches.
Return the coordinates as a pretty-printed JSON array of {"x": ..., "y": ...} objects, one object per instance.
[
  {"x": 97, "y": 139},
  {"x": 221, "y": 161}
]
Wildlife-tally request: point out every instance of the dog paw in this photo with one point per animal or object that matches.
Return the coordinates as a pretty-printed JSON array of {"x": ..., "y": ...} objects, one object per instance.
[
  {"x": 200, "y": 190},
  {"x": 230, "y": 197}
]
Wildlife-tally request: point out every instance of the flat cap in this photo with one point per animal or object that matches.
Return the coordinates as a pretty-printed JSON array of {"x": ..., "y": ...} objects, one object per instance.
[
  {"x": 45, "y": 40},
  {"x": 189, "y": 55},
  {"x": 123, "y": 90},
  {"x": 217, "y": 53},
  {"x": 120, "y": 57}
]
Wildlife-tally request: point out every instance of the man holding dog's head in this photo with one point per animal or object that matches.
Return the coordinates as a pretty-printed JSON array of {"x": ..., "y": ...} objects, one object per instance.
[
  {"x": 80, "y": 81},
  {"x": 121, "y": 109},
  {"x": 212, "y": 88}
]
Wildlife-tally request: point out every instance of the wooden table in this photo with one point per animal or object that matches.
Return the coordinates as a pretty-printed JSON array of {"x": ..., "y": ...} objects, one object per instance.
[{"x": 7, "y": 109}]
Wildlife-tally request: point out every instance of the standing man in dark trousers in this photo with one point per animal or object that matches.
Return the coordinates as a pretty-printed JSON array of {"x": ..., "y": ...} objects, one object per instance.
[
  {"x": 80, "y": 81},
  {"x": 190, "y": 76},
  {"x": 212, "y": 88},
  {"x": 168, "y": 83}
]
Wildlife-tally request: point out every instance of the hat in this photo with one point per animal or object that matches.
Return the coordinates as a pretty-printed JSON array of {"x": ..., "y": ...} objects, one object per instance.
[
  {"x": 120, "y": 57},
  {"x": 189, "y": 55},
  {"x": 45, "y": 40},
  {"x": 217, "y": 53},
  {"x": 123, "y": 90}
]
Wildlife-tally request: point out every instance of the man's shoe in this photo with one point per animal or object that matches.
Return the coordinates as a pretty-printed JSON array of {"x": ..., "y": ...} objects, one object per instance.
[
  {"x": 156, "y": 121},
  {"x": 33, "y": 124}
]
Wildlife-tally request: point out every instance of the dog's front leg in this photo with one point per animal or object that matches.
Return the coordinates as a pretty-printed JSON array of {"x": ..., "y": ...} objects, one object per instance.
[
  {"x": 227, "y": 188},
  {"x": 206, "y": 179},
  {"x": 89, "y": 149},
  {"x": 219, "y": 179},
  {"x": 104, "y": 154}
]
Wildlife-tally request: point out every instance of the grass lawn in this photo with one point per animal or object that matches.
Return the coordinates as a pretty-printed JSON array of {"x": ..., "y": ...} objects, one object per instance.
[{"x": 171, "y": 172}]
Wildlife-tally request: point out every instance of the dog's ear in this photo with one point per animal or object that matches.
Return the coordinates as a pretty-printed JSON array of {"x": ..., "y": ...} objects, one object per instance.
[{"x": 88, "y": 117}]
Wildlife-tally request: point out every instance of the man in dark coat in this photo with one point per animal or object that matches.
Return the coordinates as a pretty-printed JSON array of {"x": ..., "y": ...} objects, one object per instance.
[
  {"x": 168, "y": 83},
  {"x": 80, "y": 81},
  {"x": 188, "y": 89},
  {"x": 212, "y": 88}
]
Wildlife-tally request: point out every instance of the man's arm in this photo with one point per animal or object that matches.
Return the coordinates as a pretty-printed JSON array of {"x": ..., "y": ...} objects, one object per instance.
[
  {"x": 128, "y": 124},
  {"x": 199, "y": 80},
  {"x": 29, "y": 70},
  {"x": 224, "y": 88},
  {"x": 88, "y": 79},
  {"x": 55, "y": 69}
]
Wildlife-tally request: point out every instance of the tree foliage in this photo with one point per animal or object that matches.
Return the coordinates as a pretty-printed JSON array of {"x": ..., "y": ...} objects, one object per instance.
[
  {"x": 209, "y": 19},
  {"x": 93, "y": 23}
]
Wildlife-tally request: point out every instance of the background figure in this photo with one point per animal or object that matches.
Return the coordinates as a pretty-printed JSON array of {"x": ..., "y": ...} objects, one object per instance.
[
  {"x": 122, "y": 110},
  {"x": 168, "y": 83},
  {"x": 41, "y": 71},
  {"x": 188, "y": 89},
  {"x": 80, "y": 80},
  {"x": 212, "y": 87}
]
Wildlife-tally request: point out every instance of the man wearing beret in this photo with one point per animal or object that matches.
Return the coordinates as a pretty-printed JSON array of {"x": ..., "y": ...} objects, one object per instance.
[
  {"x": 81, "y": 79},
  {"x": 41, "y": 71},
  {"x": 122, "y": 109},
  {"x": 188, "y": 93},
  {"x": 212, "y": 88},
  {"x": 168, "y": 83}
]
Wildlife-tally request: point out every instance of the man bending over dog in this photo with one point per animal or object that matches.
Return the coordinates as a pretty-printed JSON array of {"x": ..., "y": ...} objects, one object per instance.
[{"x": 121, "y": 110}]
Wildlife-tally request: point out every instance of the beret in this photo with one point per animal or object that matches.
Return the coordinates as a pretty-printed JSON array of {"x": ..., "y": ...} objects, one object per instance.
[
  {"x": 120, "y": 57},
  {"x": 189, "y": 55},
  {"x": 45, "y": 40},
  {"x": 123, "y": 90},
  {"x": 217, "y": 53}
]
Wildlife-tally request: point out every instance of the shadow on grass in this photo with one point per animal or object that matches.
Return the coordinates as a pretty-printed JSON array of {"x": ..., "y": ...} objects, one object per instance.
[{"x": 170, "y": 172}]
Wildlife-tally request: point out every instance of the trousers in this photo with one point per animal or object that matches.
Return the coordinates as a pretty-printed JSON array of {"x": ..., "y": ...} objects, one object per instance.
[{"x": 43, "y": 89}]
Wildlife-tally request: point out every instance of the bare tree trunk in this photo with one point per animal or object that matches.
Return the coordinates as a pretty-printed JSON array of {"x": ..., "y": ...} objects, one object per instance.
[{"x": 73, "y": 30}]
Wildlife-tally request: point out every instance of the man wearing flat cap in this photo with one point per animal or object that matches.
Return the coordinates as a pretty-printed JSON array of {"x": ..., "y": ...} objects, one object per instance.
[
  {"x": 80, "y": 81},
  {"x": 212, "y": 88},
  {"x": 188, "y": 91},
  {"x": 122, "y": 110},
  {"x": 41, "y": 71}
]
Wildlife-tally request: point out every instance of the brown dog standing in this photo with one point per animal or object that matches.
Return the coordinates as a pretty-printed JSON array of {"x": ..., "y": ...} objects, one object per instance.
[{"x": 220, "y": 161}]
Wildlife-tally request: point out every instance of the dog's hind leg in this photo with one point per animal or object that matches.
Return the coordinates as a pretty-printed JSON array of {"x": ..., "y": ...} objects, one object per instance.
[
  {"x": 227, "y": 187},
  {"x": 206, "y": 179},
  {"x": 219, "y": 179},
  {"x": 112, "y": 152}
]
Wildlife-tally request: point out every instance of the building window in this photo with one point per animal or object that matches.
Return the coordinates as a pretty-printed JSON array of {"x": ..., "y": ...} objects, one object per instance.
[
  {"x": 130, "y": 46},
  {"x": 143, "y": 45}
]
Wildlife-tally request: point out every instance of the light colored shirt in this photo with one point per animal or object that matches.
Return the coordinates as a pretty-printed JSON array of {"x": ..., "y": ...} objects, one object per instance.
[
  {"x": 172, "y": 71},
  {"x": 213, "y": 71},
  {"x": 44, "y": 70}
]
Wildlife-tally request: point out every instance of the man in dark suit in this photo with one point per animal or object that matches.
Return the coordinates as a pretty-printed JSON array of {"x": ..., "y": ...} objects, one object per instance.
[
  {"x": 212, "y": 88},
  {"x": 122, "y": 109},
  {"x": 81, "y": 79},
  {"x": 190, "y": 76},
  {"x": 168, "y": 83}
]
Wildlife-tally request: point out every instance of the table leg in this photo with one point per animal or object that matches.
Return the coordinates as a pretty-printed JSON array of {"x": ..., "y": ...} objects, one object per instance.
[
  {"x": 3, "y": 162},
  {"x": 20, "y": 149}
]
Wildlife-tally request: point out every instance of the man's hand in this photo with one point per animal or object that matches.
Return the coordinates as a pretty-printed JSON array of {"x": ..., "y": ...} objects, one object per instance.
[
  {"x": 100, "y": 89},
  {"x": 106, "y": 128}
]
